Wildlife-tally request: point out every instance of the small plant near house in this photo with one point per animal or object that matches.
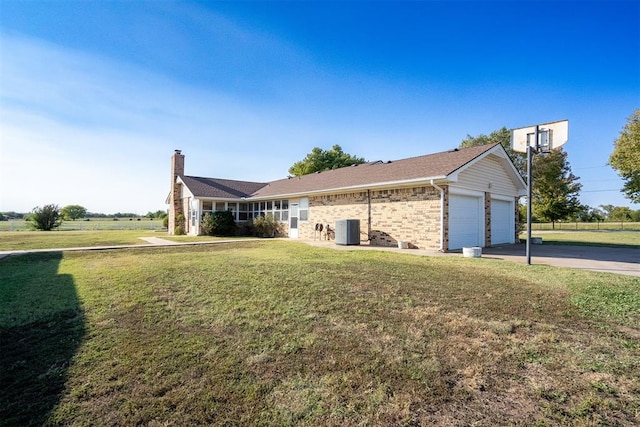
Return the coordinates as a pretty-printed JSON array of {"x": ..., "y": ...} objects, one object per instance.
[
  {"x": 219, "y": 223},
  {"x": 179, "y": 229},
  {"x": 266, "y": 226},
  {"x": 46, "y": 218}
]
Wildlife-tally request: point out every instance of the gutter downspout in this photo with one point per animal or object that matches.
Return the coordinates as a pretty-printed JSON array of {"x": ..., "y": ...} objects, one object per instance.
[{"x": 433, "y": 184}]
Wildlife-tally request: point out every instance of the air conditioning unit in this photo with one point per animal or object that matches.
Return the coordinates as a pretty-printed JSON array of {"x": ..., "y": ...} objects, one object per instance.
[{"x": 347, "y": 232}]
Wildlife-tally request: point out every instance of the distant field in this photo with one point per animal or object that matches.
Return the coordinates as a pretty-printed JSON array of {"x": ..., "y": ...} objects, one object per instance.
[
  {"x": 92, "y": 224},
  {"x": 613, "y": 225}
]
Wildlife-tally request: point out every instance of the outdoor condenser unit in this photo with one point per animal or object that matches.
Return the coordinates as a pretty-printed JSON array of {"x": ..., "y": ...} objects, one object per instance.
[{"x": 347, "y": 232}]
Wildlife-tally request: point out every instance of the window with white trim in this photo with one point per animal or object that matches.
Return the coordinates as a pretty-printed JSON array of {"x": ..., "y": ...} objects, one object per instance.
[{"x": 304, "y": 209}]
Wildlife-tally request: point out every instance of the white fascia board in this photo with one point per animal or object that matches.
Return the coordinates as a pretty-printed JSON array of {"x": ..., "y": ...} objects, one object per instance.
[
  {"x": 401, "y": 183},
  {"x": 500, "y": 152}
]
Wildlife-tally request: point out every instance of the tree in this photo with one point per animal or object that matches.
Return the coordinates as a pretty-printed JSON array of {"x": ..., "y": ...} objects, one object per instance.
[
  {"x": 626, "y": 157},
  {"x": 503, "y": 136},
  {"x": 73, "y": 212},
  {"x": 321, "y": 160},
  {"x": 621, "y": 213},
  {"x": 555, "y": 189},
  {"x": 46, "y": 218}
]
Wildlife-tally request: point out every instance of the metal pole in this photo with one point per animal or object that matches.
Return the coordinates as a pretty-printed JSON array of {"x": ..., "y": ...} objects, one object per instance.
[{"x": 529, "y": 192}]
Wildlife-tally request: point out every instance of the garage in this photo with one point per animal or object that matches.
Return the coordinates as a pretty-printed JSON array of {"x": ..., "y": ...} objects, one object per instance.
[
  {"x": 465, "y": 221},
  {"x": 502, "y": 221}
]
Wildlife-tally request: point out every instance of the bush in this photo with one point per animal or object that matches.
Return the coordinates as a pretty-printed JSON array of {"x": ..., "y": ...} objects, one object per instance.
[
  {"x": 219, "y": 223},
  {"x": 179, "y": 229},
  {"x": 46, "y": 218},
  {"x": 266, "y": 226}
]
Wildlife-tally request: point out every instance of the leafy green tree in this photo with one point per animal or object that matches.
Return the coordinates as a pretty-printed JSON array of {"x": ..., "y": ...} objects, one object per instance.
[
  {"x": 159, "y": 214},
  {"x": 502, "y": 136},
  {"x": 621, "y": 213},
  {"x": 46, "y": 218},
  {"x": 586, "y": 213},
  {"x": 555, "y": 188},
  {"x": 321, "y": 160},
  {"x": 73, "y": 212},
  {"x": 626, "y": 157}
]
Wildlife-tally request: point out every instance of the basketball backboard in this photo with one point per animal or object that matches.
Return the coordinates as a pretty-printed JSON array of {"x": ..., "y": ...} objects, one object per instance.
[{"x": 550, "y": 136}]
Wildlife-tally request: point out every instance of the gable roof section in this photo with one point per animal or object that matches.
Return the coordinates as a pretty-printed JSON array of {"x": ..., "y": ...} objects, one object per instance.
[
  {"x": 405, "y": 171},
  {"x": 220, "y": 188}
]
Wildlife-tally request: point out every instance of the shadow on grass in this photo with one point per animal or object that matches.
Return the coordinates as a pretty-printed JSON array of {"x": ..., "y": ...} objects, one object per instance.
[{"x": 41, "y": 328}]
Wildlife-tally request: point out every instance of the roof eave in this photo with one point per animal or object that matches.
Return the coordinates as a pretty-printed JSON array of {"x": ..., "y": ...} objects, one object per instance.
[{"x": 372, "y": 186}]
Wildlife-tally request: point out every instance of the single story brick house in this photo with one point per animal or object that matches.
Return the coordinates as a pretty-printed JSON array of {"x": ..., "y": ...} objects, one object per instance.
[{"x": 443, "y": 201}]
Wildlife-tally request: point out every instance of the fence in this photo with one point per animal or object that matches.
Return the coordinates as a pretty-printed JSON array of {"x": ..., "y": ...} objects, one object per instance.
[
  {"x": 587, "y": 226},
  {"x": 92, "y": 224}
]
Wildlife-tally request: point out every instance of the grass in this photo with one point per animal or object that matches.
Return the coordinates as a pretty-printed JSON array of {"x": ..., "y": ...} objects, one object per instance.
[
  {"x": 623, "y": 239},
  {"x": 280, "y": 333},
  {"x": 200, "y": 238},
  {"x": 21, "y": 240}
]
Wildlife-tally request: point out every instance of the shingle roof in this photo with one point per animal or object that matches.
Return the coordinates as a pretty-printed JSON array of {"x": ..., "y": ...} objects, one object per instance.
[
  {"x": 221, "y": 188},
  {"x": 436, "y": 165},
  {"x": 431, "y": 166}
]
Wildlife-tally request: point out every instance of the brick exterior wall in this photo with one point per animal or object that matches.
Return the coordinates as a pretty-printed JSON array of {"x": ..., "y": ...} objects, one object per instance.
[{"x": 386, "y": 216}]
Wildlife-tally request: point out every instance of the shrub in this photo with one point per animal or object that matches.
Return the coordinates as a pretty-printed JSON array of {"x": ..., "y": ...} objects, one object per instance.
[
  {"x": 219, "y": 223},
  {"x": 178, "y": 230},
  {"x": 46, "y": 218},
  {"x": 266, "y": 226}
]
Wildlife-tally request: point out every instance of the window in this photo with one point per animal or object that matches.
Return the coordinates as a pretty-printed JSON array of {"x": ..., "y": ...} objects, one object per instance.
[
  {"x": 304, "y": 209},
  {"x": 243, "y": 212}
]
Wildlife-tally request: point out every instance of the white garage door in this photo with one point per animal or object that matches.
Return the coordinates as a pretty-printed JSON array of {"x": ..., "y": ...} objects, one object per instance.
[
  {"x": 502, "y": 222},
  {"x": 465, "y": 221}
]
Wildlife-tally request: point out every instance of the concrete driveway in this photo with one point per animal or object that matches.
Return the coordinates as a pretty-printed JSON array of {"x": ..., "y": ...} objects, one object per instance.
[{"x": 610, "y": 260}]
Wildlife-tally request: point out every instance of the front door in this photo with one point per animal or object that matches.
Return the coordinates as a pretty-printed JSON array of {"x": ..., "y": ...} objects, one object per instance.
[{"x": 293, "y": 220}]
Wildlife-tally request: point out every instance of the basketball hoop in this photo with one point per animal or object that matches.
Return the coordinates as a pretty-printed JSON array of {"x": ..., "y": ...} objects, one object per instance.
[
  {"x": 537, "y": 139},
  {"x": 550, "y": 137}
]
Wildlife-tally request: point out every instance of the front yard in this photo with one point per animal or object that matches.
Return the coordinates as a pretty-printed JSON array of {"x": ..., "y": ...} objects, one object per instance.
[{"x": 281, "y": 333}]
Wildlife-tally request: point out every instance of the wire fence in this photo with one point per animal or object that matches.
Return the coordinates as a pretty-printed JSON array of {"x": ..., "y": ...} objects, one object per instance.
[
  {"x": 92, "y": 224},
  {"x": 586, "y": 226}
]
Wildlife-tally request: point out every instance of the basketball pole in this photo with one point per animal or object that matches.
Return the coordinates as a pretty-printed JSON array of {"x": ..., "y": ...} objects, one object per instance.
[{"x": 530, "y": 191}]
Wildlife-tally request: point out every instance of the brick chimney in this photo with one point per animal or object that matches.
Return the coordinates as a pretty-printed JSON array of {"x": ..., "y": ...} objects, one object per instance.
[{"x": 175, "y": 203}]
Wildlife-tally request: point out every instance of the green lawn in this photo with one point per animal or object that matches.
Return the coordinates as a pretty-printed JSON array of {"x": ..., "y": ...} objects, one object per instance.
[
  {"x": 21, "y": 240},
  {"x": 281, "y": 333},
  {"x": 629, "y": 239}
]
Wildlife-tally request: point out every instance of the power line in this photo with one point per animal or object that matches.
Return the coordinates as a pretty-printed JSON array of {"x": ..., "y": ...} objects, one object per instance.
[
  {"x": 591, "y": 167},
  {"x": 601, "y": 180},
  {"x": 599, "y": 191}
]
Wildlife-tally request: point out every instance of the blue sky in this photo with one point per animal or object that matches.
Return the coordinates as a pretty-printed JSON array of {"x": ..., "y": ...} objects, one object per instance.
[{"x": 96, "y": 95}]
